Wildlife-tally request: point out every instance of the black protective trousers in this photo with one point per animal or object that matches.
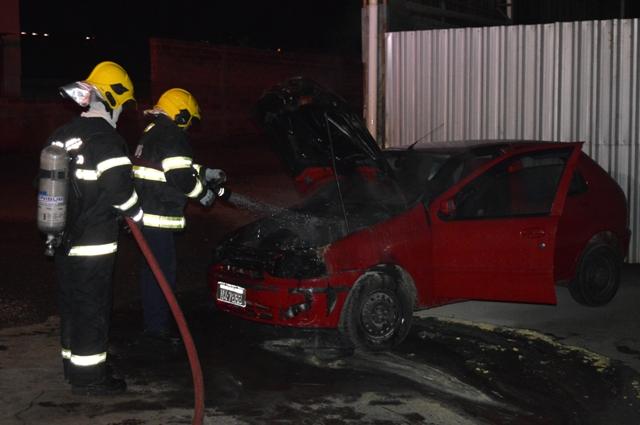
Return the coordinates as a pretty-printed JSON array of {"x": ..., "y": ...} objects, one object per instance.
[
  {"x": 85, "y": 298},
  {"x": 157, "y": 315}
]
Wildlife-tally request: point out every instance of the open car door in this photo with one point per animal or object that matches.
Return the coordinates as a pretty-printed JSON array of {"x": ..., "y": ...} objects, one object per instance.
[{"x": 494, "y": 233}]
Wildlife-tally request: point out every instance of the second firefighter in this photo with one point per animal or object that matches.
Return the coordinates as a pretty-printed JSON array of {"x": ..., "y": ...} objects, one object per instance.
[{"x": 166, "y": 177}]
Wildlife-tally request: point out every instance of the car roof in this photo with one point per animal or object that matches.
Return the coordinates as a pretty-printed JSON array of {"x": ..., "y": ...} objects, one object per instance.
[{"x": 462, "y": 146}]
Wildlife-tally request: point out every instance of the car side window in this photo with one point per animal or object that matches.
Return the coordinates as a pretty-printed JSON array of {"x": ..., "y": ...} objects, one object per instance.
[
  {"x": 520, "y": 186},
  {"x": 451, "y": 172}
]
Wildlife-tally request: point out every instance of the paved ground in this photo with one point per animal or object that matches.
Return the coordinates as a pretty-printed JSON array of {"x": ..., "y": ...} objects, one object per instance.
[
  {"x": 612, "y": 330},
  {"x": 446, "y": 372},
  {"x": 469, "y": 363}
]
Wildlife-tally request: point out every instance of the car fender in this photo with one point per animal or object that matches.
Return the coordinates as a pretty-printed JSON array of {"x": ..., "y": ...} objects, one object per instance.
[
  {"x": 397, "y": 273},
  {"x": 607, "y": 237}
]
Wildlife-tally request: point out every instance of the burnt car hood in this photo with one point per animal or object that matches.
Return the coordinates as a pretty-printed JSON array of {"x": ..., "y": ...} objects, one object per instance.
[
  {"x": 314, "y": 129},
  {"x": 291, "y": 242},
  {"x": 329, "y": 214}
]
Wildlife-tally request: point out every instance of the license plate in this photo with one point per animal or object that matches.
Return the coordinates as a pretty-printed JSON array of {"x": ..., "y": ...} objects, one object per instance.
[{"x": 232, "y": 294}]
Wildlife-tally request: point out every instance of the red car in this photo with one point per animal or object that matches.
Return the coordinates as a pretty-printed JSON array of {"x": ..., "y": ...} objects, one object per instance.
[{"x": 384, "y": 233}]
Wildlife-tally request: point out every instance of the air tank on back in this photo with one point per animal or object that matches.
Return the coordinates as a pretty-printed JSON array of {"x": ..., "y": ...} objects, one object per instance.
[{"x": 52, "y": 194}]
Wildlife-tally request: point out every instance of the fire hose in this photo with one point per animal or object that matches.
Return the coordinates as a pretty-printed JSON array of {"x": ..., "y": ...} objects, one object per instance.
[
  {"x": 196, "y": 371},
  {"x": 192, "y": 354}
]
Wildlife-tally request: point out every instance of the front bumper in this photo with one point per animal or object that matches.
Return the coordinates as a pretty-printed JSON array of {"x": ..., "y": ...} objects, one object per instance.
[{"x": 314, "y": 303}]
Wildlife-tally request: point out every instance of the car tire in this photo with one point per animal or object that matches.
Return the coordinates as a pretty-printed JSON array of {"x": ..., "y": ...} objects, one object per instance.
[
  {"x": 598, "y": 276},
  {"x": 377, "y": 314}
]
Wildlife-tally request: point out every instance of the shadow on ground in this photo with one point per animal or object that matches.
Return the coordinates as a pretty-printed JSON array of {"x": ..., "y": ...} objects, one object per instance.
[{"x": 447, "y": 372}]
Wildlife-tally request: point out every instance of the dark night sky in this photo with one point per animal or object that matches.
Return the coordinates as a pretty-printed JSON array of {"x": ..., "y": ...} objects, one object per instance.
[
  {"x": 312, "y": 25},
  {"x": 120, "y": 29}
]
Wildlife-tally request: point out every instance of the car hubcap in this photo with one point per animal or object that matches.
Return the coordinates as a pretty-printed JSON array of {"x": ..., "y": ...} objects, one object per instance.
[
  {"x": 380, "y": 315},
  {"x": 600, "y": 276}
]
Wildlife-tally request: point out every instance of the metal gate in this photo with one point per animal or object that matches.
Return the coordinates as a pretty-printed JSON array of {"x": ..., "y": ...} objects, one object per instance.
[{"x": 561, "y": 82}]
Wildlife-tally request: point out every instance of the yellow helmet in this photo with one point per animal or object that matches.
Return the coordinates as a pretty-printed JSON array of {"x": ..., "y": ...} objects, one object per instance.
[
  {"x": 112, "y": 82},
  {"x": 180, "y": 106}
]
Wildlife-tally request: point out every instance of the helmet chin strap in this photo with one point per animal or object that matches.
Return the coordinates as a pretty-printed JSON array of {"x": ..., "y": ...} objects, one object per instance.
[{"x": 97, "y": 109}]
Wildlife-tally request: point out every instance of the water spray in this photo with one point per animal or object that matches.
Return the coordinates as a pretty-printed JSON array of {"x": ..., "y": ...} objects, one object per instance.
[{"x": 246, "y": 203}]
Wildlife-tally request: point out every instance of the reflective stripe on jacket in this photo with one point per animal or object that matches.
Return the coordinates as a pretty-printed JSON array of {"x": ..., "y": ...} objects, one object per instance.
[
  {"x": 93, "y": 250},
  {"x": 101, "y": 186},
  {"x": 165, "y": 174}
]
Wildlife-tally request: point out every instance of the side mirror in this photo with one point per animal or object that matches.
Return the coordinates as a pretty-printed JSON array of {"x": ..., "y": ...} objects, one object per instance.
[{"x": 447, "y": 208}]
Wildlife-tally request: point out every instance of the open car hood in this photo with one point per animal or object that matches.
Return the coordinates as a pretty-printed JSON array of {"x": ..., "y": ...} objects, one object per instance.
[
  {"x": 289, "y": 242},
  {"x": 327, "y": 215},
  {"x": 334, "y": 159},
  {"x": 316, "y": 134}
]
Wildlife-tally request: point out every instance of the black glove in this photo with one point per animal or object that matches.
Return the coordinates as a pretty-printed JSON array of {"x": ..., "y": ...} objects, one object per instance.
[
  {"x": 207, "y": 198},
  {"x": 214, "y": 176},
  {"x": 222, "y": 192}
]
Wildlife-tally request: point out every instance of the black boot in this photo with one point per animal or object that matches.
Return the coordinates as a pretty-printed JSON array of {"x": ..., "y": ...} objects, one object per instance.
[
  {"x": 107, "y": 386},
  {"x": 95, "y": 380},
  {"x": 161, "y": 338}
]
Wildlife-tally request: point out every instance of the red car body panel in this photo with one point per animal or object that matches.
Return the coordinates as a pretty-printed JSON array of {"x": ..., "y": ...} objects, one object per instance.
[
  {"x": 484, "y": 220},
  {"x": 502, "y": 259},
  {"x": 595, "y": 211},
  {"x": 511, "y": 260},
  {"x": 515, "y": 259},
  {"x": 403, "y": 240}
]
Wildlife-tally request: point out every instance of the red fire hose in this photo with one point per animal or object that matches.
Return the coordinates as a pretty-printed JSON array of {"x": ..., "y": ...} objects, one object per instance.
[{"x": 194, "y": 361}]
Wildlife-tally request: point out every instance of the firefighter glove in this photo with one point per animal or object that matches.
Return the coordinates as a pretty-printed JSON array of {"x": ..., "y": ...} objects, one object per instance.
[
  {"x": 222, "y": 193},
  {"x": 214, "y": 176},
  {"x": 207, "y": 199}
]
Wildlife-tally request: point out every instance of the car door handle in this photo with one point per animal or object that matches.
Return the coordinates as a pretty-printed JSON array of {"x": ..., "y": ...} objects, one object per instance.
[{"x": 533, "y": 233}]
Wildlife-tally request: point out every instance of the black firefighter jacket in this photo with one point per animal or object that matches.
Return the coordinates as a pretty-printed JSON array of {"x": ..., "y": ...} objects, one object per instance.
[
  {"x": 165, "y": 174},
  {"x": 101, "y": 185}
]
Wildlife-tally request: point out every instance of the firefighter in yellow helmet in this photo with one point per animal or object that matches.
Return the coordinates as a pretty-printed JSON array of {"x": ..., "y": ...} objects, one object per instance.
[
  {"x": 101, "y": 190},
  {"x": 166, "y": 177}
]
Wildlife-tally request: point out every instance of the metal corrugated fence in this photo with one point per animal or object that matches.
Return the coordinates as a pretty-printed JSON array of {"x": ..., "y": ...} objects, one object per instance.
[{"x": 561, "y": 82}]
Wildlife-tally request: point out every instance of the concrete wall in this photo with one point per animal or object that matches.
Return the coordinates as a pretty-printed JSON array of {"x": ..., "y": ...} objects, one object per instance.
[
  {"x": 10, "y": 17},
  {"x": 10, "y": 49},
  {"x": 26, "y": 125},
  {"x": 227, "y": 81}
]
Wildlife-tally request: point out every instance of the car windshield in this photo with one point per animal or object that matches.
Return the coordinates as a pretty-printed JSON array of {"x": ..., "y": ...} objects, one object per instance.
[
  {"x": 425, "y": 174},
  {"x": 360, "y": 200}
]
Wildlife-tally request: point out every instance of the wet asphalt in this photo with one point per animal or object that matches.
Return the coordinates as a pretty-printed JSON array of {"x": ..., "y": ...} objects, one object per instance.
[{"x": 446, "y": 372}]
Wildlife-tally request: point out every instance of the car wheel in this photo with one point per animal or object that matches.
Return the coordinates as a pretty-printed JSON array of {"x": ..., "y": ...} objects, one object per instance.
[
  {"x": 377, "y": 315},
  {"x": 598, "y": 276}
]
